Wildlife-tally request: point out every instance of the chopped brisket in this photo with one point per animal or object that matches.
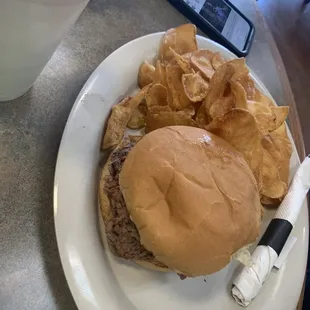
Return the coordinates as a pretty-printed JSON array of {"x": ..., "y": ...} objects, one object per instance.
[{"x": 122, "y": 234}]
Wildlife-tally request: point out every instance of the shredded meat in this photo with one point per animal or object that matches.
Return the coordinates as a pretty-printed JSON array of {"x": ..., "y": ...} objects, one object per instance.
[{"x": 122, "y": 234}]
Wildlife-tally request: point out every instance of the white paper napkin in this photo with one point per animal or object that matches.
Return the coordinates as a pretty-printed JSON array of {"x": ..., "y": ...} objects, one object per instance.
[{"x": 249, "y": 280}]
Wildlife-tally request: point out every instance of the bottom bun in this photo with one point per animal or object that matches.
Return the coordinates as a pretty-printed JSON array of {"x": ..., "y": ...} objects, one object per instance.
[
  {"x": 152, "y": 266},
  {"x": 148, "y": 265}
]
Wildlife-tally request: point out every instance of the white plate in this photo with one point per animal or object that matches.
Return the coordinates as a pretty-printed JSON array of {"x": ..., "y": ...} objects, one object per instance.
[{"x": 97, "y": 279}]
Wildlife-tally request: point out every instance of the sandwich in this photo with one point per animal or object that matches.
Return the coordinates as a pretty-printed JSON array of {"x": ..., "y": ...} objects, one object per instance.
[{"x": 179, "y": 199}]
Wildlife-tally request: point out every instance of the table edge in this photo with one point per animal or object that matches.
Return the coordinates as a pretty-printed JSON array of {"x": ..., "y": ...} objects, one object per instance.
[{"x": 295, "y": 126}]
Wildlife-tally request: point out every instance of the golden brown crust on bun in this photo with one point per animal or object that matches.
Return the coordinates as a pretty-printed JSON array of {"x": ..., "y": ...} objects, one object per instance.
[{"x": 192, "y": 197}]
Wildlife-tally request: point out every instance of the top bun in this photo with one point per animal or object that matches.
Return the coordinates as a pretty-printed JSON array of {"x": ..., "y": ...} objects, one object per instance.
[{"x": 192, "y": 197}]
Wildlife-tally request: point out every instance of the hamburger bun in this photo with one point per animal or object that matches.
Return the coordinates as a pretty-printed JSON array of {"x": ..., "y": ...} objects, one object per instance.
[{"x": 192, "y": 197}]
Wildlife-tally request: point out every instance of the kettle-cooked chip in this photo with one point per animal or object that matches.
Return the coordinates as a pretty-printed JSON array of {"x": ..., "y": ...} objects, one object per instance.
[
  {"x": 146, "y": 74},
  {"x": 260, "y": 97},
  {"x": 239, "y": 128},
  {"x": 181, "y": 39},
  {"x": 160, "y": 74},
  {"x": 163, "y": 119},
  {"x": 137, "y": 120},
  {"x": 189, "y": 111},
  {"x": 221, "y": 106},
  {"x": 195, "y": 87},
  {"x": 202, "y": 118},
  {"x": 272, "y": 186},
  {"x": 201, "y": 60},
  {"x": 264, "y": 116},
  {"x": 239, "y": 95},
  {"x": 160, "y": 77},
  {"x": 240, "y": 68},
  {"x": 119, "y": 118},
  {"x": 157, "y": 95},
  {"x": 183, "y": 63},
  {"x": 283, "y": 143},
  {"x": 174, "y": 79},
  {"x": 187, "y": 56},
  {"x": 158, "y": 109},
  {"x": 217, "y": 60},
  {"x": 218, "y": 84},
  {"x": 248, "y": 85},
  {"x": 281, "y": 114}
]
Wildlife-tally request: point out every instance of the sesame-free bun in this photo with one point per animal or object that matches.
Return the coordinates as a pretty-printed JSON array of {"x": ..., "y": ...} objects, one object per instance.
[{"x": 192, "y": 197}]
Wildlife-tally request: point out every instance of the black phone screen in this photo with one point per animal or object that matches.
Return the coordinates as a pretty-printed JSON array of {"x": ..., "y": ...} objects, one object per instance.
[{"x": 224, "y": 19}]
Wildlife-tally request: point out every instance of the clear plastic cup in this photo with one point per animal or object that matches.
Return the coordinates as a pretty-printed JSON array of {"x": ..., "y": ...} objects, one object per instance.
[{"x": 30, "y": 31}]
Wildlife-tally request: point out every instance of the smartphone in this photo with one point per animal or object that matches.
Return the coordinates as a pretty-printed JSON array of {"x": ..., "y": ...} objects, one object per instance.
[{"x": 221, "y": 21}]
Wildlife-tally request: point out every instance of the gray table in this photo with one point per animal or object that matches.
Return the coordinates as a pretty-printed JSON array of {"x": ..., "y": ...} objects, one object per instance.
[{"x": 31, "y": 275}]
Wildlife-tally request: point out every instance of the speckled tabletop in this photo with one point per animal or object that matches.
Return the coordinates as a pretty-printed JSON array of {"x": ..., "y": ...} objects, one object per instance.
[{"x": 31, "y": 276}]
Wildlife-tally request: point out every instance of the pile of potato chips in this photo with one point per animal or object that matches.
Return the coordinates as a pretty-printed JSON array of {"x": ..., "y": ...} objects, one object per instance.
[{"x": 195, "y": 87}]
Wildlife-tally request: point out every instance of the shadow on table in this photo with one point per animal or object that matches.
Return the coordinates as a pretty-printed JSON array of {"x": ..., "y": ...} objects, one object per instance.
[
  {"x": 59, "y": 288},
  {"x": 53, "y": 268}
]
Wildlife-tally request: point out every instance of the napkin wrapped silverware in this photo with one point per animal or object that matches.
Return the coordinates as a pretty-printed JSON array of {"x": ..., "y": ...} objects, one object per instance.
[{"x": 249, "y": 280}]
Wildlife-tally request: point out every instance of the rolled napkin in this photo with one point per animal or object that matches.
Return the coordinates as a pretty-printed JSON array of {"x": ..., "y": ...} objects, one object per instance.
[{"x": 249, "y": 280}]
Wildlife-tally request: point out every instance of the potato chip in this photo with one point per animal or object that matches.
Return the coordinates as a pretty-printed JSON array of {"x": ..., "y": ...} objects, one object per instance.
[
  {"x": 268, "y": 118},
  {"x": 182, "y": 62},
  {"x": 265, "y": 100},
  {"x": 142, "y": 107},
  {"x": 280, "y": 132},
  {"x": 163, "y": 119},
  {"x": 248, "y": 85},
  {"x": 187, "y": 56},
  {"x": 181, "y": 39},
  {"x": 158, "y": 109},
  {"x": 264, "y": 116},
  {"x": 189, "y": 111},
  {"x": 174, "y": 79},
  {"x": 137, "y": 120},
  {"x": 281, "y": 114},
  {"x": 280, "y": 151},
  {"x": 286, "y": 149},
  {"x": 269, "y": 202},
  {"x": 239, "y": 95},
  {"x": 240, "y": 68},
  {"x": 221, "y": 106},
  {"x": 157, "y": 95},
  {"x": 146, "y": 74},
  {"x": 217, "y": 60},
  {"x": 160, "y": 77},
  {"x": 272, "y": 187},
  {"x": 239, "y": 128},
  {"x": 201, "y": 60},
  {"x": 283, "y": 143},
  {"x": 257, "y": 107},
  {"x": 202, "y": 118},
  {"x": 195, "y": 87},
  {"x": 258, "y": 95},
  {"x": 218, "y": 84},
  {"x": 262, "y": 98},
  {"x": 120, "y": 116},
  {"x": 160, "y": 74},
  {"x": 274, "y": 151},
  {"x": 134, "y": 139}
]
